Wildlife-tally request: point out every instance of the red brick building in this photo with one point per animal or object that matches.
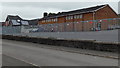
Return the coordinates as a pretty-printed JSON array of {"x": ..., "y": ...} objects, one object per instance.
[{"x": 85, "y": 14}]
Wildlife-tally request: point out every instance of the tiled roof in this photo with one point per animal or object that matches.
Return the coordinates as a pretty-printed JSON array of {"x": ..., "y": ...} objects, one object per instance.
[
  {"x": 33, "y": 22},
  {"x": 11, "y": 17},
  {"x": 30, "y": 22},
  {"x": 84, "y": 10}
]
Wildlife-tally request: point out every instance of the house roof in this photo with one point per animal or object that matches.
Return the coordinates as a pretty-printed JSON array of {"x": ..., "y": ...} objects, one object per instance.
[
  {"x": 16, "y": 20},
  {"x": 11, "y": 17},
  {"x": 84, "y": 10},
  {"x": 33, "y": 22},
  {"x": 119, "y": 15}
]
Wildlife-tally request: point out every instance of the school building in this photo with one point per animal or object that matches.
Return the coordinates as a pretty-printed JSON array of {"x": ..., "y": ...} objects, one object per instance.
[{"x": 85, "y": 19}]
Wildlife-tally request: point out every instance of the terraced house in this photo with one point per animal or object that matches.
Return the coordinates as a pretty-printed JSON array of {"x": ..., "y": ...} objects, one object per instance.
[{"x": 75, "y": 18}]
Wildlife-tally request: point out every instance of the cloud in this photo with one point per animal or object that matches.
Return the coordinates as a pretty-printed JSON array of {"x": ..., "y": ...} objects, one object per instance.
[
  {"x": 30, "y": 10},
  {"x": 59, "y": 0}
]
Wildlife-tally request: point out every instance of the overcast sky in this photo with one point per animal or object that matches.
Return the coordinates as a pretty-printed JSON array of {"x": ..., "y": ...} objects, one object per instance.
[{"x": 33, "y": 10}]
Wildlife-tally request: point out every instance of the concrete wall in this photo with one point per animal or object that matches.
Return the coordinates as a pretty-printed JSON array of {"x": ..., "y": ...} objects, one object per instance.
[
  {"x": 104, "y": 36},
  {"x": 83, "y": 44}
]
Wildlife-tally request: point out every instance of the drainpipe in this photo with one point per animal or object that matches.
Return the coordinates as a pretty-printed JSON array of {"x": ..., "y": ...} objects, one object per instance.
[
  {"x": 82, "y": 22},
  {"x": 94, "y": 24},
  {"x": 73, "y": 23}
]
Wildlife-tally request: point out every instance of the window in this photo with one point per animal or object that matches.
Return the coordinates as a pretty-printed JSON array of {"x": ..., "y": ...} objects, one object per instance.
[
  {"x": 71, "y": 17},
  {"x": 80, "y": 16},
  {"x": 18, "y": 20},
  {"x": 74, "y": 16},
  {"x": 52, "y": 20},
  {"x": 56, "y": 19},
  {"x": 66, "y": 18},
  {"x": 77, "y": 16},
  {"x": 45, "y": 20},
  {"x": 49, "y": 20}
]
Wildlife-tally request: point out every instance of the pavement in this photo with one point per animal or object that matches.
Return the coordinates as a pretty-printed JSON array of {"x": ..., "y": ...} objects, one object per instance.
[{"x": 43, "y": 56}]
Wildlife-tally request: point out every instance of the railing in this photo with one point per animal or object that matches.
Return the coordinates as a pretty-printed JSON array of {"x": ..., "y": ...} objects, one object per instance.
[
  {"x": 91, "y": 25},
  {"x": 11, "y": 29}
]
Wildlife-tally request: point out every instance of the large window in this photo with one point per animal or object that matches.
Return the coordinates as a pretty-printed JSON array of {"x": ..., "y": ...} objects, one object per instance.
[
  {"x": 69, "y": 17},
  {"x": 77, "y": 16},
  {"x": 66, "y": 17},
  {"x": 80, "y": 16}
]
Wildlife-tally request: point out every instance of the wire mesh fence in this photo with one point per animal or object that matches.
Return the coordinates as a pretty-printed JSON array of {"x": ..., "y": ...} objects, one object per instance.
[
  {"x": 11, "y": 29},
  {"x": 78, "y": 26},
  {"x": 91, "y": 25}
]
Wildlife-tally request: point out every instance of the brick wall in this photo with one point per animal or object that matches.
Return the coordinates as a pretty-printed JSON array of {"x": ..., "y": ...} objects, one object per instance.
[
  {"x": 106, "y": 13},
  {"x": 103, "y": 13},
  {"x": 87, "y": 26}
]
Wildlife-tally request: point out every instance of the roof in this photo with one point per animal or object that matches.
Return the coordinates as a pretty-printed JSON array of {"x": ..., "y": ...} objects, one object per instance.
[
  {"x": 11, "y": 17},
  {"x": 33, "y": 22},
  {"x": 119, "y": 15},
  {"x": 79, "y": 11},
  {"x": 16, "y": 20}
]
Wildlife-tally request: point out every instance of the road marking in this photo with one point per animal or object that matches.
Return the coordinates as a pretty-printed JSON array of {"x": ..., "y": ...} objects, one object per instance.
[{"x": 23, "y": 61}]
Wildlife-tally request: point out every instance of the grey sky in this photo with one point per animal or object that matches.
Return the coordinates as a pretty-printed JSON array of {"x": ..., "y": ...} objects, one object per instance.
[{"x": 33, "y": 10}]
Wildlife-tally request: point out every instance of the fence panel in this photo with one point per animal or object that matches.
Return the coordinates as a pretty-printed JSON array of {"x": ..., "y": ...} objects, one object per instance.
[{"x": 103, "y": 24}]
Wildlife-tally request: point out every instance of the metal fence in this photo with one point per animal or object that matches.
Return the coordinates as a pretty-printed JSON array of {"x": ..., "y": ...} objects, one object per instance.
[
  {"x": 91, "y": 25},
  {"x": 11, "y": 29}
]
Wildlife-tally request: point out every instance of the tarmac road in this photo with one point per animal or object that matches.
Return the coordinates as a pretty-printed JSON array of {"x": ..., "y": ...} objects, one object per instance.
[
  {"x": 50, "y": 57},
  {"x": 11, "y": 61}
]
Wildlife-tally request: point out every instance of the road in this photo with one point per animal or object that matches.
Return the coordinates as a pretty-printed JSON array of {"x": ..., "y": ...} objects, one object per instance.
[
  {"x": 11, "y": 61},
  {"x": 49, "y": 57}
]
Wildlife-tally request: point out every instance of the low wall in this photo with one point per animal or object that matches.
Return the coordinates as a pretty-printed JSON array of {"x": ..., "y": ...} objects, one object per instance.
[{"x": 83, "y": 44}]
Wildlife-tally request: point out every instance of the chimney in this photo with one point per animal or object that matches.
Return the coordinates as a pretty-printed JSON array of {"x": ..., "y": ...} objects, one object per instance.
[{"x": 45, "y": 14}]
